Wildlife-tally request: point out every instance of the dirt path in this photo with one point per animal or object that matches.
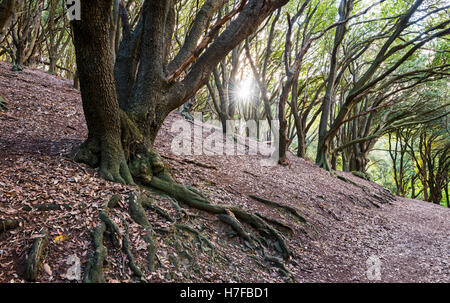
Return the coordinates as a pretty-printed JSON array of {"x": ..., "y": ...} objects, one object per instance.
[
  {"x": 344, "y": 226},
  {"x": 414, "y": 242},
  {"x": 409, "y": 239}
]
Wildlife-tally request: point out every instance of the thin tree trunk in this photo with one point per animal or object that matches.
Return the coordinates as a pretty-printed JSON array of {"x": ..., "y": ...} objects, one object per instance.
[{"x": 98, "y": 93}]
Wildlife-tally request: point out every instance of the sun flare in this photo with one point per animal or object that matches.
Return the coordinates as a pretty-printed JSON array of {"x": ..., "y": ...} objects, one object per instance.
[{"x": 245, "y": 89}]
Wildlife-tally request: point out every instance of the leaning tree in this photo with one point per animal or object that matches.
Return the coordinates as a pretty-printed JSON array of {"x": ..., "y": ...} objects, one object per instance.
[
  {"x": 406, "y": 34},
  {"x": 125, "y": 102}
]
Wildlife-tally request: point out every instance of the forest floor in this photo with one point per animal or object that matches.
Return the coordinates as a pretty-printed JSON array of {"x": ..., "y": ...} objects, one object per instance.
[{"x": 348, "y": 220}]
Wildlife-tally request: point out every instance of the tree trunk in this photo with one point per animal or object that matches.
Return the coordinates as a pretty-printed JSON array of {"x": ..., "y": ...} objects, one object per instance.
[
  {"x": 19, "y": 55},
  {"x": 323, "y": 147},
  {"x": 413, "y": 187},
  {"x": 76, "y": 80},
  {"x": 282, "y": 136},
  {"x": 301, "y": 150},
  {"x": 103, "y": 146},
  {"x": 124, "y": 113},
  {"x": 52, "y": 66}
]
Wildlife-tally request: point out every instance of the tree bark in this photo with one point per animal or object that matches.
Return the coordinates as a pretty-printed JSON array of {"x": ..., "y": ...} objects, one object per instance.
[
  {"x": 6, "y": 11},
  {"x": 103, "y": 147}
]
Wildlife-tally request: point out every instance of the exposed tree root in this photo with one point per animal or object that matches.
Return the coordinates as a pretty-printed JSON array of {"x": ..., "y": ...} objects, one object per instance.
[
  {"x": 115, "y": 232},
  {"x": 148, "y": 204},
  {"x": 200, "y": 164},
  {"x": 112, "y": 165},
  {"x": 287, "y": 208},
  {"x": 34, "y": 261},
  {"x": 201, "y": 238},
  {"x": 279, "y": 263},
  {"x": 137, "y": 213},
  {"x": 3, "y": 104},
  {"x": 194, "y": 200},
  {"x": 94, "y": 267},
  {"x": 361, "y": 175},
  {"x": 385, "y": 197},
  {"x": 204, "y": 165},
  {"x": 177, "y": 207},
  {"x": 147, "y": 167},
  {"x": 9, "y": 224},
  {"x": 236, "y": 225},
  {"x": 127, "y": 249},
  {"x": 87, "y": 152},
  {"x": 383, "y": 200},
  {"x": 119, "y": 239},
  {"x": 275, "y": 222},
  {"x": 113, "y": 201},
  {"x": 322, "y": 207},
  {"x": 198, "y": 192}
]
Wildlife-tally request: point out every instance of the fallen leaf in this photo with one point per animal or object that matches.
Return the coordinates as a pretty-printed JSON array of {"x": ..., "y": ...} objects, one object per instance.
[{"x": 47, "y": 269}]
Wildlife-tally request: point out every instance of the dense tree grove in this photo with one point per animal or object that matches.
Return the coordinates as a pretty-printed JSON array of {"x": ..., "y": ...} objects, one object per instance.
[{"x": 354, "y": 85}]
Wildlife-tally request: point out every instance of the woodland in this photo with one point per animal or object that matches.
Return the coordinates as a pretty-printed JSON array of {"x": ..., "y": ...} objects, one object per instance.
[{"x": 352, "y": 91}]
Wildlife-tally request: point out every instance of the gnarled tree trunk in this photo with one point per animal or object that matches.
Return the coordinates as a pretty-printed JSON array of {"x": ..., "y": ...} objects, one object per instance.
[{"x": 124, "y": 113}]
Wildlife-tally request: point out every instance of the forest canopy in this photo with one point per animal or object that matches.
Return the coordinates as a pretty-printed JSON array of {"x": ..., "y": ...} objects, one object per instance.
[{"x": 355, "y": 85}]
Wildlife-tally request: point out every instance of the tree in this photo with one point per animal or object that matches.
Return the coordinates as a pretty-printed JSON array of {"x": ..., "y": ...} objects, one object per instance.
[
  {"x": 25, "y": 30},
  {"x": 224, "y": 81},
  {"x": 432, "y": 159},
  {"x": 126, "y": 105},
  {"x": 396, "y": 40},
  {"x": 58, "y": 36}
]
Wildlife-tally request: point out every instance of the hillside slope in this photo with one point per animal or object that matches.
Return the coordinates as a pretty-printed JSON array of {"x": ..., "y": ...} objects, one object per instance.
[{"x": 346, "y": 223}]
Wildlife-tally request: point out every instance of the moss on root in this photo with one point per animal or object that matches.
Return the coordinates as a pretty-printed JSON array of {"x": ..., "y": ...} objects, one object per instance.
[
  {"x": 138, "y": 214},
  {"x": 97, "y": 260},
  {"x": 146, "y": 166},
  {"x": 194, "y": 200},
  {"x": 34, "y": 261}
]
